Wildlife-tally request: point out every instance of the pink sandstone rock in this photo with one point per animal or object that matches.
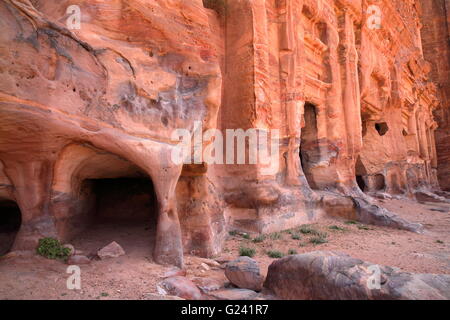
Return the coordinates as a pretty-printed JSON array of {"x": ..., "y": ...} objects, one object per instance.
[
  {"x": 112, "y": 250},
  {"x": 244, "y": 273},
  {"x": 337, "y": 276},
  {"x": 181, "y": 287},
  {"x": 88, "y": 116}
]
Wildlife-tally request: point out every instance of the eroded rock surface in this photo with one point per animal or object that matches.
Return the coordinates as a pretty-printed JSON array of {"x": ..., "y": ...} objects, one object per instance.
[
  {"x": 333, "y": 275},
  {"x": 244, "y": 273},
  {"x": 89, "y": 115}
]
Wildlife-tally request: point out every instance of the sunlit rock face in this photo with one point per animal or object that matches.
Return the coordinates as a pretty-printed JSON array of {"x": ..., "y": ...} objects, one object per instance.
[
  {"x": 436, "y": 48},
  {"x": 88, "y": 115}
]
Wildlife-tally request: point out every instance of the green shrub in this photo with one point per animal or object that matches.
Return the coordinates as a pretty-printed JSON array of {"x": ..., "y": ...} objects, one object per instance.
[
  {"x": 308, "y": 230},
  {"x": 233, "y": 233},
  {"x": 362, "y": 227},
  {"x": 52, "y": 249},
  {"x": 275, "y": 236},
  {"x": 246, "y": 236},
  {"x": 259, "y": 239},
  {"x": 292, "y": 252},
  {"x": 296, "y": 236},
  {"x": 351, "y": 222},
  {"x": 275, "y": 254},
  {"x": 247, "y": 252},
  {"x": 318, "y": 240},
  {"x": 336, "y": 228}
]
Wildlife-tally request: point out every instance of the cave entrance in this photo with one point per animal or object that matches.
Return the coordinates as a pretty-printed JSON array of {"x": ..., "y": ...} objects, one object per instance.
[
  {"x": 361, "y": 174},
  {"x": 361, "y": 183},
  {"x": 10, "y": 221},
  {"x": 118, "y": 209},
  {"x": 309, "y": 146}
]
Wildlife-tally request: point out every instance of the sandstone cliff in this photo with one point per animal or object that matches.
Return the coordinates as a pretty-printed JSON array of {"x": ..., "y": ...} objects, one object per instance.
[{"x": 341, "y": 88}]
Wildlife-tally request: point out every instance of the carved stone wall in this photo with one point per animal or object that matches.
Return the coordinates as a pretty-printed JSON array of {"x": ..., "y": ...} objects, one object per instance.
[
  {"x": 436, "y": 48},
  {"x": 352, "y": 105}
]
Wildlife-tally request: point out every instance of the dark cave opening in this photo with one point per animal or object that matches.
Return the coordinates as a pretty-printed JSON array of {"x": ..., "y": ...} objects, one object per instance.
[
  {"x": 382, "y": 128},
  {"x": 118, "y": 209},
  {"x": 309, "y": 145},
  {"x": 361, "y": 183},
  {"x": 10, "y": 221},
  {"x": 124, "y": 200}
]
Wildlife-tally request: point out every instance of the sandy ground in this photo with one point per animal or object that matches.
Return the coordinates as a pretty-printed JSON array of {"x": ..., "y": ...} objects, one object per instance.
[{"x": 24, "y": 275}]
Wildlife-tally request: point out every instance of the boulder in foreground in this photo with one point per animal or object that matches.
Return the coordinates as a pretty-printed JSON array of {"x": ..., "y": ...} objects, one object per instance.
[
  {"x": 337, "y": 276},
  {"x": 244, "y": 273}
]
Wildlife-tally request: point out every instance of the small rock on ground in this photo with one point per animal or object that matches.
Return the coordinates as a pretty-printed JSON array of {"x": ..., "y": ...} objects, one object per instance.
[{"x": 112, "y": 250}]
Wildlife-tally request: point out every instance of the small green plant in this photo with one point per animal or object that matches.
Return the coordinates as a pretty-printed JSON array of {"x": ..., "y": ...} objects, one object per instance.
[
  {"x": 259, "y": 239},
  {"x": 318, "y": 240},
  {"x": 246, "y": 236},
  {"x": 275, "y": 254},
  {"x": 52, "y": 249},
  {"x": 308, "y": 230},
  {"x": 292, "y": 252},
  {"x": 233, "y": 233},
  {"x": 440, "y": 241},
  {"x": 247, "y": 252},
  {"x": 275, "y": 236},
  {"x": 302, "y": 244},
  {"x": 350, "y": 222},
  {"x": 363, "y": 227},
  {"x": 336, "y": 228},
  {"x": 295, "y": 236},
  {"x": 104, "y": 294}
]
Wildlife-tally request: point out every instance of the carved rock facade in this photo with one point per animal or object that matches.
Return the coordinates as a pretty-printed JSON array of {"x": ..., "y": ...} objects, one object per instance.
[
  {"x": 436, "y": 48},
  {"x": 87, "y": 116}
]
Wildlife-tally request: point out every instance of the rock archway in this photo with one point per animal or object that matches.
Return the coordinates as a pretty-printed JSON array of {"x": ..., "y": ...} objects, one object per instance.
[{"x": 99, "y": 195}]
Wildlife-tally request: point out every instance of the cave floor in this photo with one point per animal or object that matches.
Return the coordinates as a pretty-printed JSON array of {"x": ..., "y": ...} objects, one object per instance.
[{"x": 24, "y": 275}]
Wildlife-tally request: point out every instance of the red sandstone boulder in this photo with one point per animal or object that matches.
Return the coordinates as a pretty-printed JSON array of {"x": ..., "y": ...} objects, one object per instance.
[
  {"x": 181, "y": 287},
  {"x": 244, "y": 273},
  {"x": 337, "y": 276}
]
